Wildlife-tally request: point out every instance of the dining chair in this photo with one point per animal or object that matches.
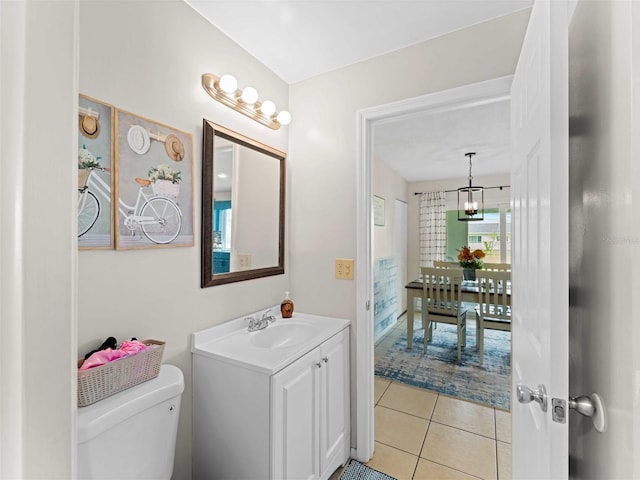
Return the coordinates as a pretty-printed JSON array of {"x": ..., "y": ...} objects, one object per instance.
[
  {"x": 442, "y": 264},
  {"x": 497, "y": 266},
  {"x": 494, "y": 310},
  {"x": 442, "y": 303}
]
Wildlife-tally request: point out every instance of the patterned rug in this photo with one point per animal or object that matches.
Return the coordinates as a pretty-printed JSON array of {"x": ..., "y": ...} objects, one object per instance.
[
  {"x": 357, "y": 471},
  {"x": 439, "y": 370}
]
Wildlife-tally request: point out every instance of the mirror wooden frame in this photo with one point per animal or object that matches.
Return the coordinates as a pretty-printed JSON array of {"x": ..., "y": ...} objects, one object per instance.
[{"x": 208, "y": 279}]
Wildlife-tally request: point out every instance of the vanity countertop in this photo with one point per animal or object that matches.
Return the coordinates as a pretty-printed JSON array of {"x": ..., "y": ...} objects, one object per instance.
[{"x": 268, "y": 350}]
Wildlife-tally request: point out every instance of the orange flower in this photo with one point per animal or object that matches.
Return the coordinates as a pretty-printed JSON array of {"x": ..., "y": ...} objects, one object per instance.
[{"x": 470, "y": 259}]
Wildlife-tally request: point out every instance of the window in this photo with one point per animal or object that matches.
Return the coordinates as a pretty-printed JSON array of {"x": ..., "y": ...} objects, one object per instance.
[{"x": 491, "y": 235}]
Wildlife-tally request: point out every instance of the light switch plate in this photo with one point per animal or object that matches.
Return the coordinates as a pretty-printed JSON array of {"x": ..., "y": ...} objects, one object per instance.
[
  {"x": 344, "y": 268},
  {"x": 244, "y": 261}
]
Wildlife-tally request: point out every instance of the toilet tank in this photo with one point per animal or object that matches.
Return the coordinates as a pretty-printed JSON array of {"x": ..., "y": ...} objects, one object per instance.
[{"x": 132, "y": 434}]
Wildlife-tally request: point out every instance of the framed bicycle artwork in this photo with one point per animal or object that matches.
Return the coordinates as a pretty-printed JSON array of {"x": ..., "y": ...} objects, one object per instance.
[
  {"x": 95, "y": 179},
  {"x": 154, "y": 184}
]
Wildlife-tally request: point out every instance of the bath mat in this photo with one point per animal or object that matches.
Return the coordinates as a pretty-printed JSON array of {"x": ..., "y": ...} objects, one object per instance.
[
  {"x": 439, "y": 370},
  {"x": 357, "y": 471}
]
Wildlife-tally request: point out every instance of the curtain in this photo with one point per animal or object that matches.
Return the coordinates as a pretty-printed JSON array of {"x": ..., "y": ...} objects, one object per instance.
[{"x": 433, "y": 228}]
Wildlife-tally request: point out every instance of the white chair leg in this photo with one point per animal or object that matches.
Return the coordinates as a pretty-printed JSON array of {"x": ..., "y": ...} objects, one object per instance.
[
  {"x": 427, "y": 335},
  {"x": 481, "y": 342}
]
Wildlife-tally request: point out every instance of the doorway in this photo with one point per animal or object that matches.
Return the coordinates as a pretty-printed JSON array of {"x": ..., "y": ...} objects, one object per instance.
[{"x": 475, "y": 94}]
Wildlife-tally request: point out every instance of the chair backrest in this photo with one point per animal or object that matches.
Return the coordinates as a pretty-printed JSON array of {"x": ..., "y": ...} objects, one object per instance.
[
  {"x": 441, "y": 290},
  {"x": 497, "y": 266},
  {"x": 441, "y": 264},
  {"x": 491, "y": 304}
]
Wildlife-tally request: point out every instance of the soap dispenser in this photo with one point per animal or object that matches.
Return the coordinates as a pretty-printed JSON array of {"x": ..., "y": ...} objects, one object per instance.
[{"x": 286, "y": 307}]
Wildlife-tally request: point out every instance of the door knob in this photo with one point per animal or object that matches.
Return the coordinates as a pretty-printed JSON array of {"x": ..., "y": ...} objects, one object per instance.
[
  {"x": 583, "y": 405},
  {"x": 526, "y": 395},
  {"x": 589, "y": 406}
]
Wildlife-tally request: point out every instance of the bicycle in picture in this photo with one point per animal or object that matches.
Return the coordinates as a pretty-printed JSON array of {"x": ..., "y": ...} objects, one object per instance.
[{"x": 154, "y": 213}]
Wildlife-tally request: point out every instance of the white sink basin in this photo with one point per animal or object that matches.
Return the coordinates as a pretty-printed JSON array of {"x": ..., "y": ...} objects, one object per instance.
[
  {"x": 270, "y": 349},
  {"x": 283, "y": 335}
]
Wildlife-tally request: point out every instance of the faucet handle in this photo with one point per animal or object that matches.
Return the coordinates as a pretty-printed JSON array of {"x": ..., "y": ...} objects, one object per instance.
[
  {"x": 268, "y": 316},
  {"x": 252, "y": 322}
]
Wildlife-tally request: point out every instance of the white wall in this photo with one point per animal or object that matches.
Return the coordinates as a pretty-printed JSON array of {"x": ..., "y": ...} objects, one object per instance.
[
  {"x": 323, "y": 142},
  {"x": 492, "y": 199},
  {"x": 390, "y": 186},
  {"x": 38, "y": 253},
  {"x": 604, "y": 234},
  {"x": 148, "y": 58}
]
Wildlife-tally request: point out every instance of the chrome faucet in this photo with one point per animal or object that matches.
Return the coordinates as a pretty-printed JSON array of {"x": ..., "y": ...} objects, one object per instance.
[{"x": 255, "y": 324}]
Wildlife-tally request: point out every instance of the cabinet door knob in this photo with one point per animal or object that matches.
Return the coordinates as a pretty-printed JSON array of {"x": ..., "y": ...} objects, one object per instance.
[
  {"x": 325, "y": 359},
  {"x": 318, "y": 364}
]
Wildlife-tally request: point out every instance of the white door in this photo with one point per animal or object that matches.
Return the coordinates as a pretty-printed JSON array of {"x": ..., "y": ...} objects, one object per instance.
[
  {"x": 400, "y": 251},
  {"x": 539, "y": 180}
]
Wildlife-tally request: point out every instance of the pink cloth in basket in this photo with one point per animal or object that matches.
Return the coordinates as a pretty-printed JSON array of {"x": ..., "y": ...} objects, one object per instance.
[{"x": 108, "y": 355}]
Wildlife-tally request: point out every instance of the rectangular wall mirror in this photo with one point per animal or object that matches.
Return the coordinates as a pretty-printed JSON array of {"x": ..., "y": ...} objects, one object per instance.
[{"x": 243, "y": 195}]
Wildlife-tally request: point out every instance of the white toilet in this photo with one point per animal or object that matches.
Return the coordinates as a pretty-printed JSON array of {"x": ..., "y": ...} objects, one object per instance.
[{"x": 132, "y": 434}]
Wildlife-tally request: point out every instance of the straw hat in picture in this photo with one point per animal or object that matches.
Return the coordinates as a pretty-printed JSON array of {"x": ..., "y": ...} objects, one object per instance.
[
  {"x": 89, "y": 126},
  {"x": 174, "y": 148}
]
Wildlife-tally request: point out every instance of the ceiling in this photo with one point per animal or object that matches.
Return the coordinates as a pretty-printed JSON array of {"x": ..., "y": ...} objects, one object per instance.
[
  {"x": 432, "y": 146},
  {"x": 299, "y": 39}
]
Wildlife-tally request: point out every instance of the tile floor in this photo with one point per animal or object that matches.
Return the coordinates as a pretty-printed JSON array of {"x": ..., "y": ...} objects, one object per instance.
[{"x": 422, "y": 435}]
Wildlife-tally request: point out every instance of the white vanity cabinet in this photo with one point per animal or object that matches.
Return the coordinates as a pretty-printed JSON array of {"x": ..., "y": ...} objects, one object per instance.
[
  {"x": 272, "y": 416},
  {"x": 310, "y": 412}
]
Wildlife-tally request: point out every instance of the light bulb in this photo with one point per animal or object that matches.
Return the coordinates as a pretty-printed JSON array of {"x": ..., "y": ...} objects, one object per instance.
[
  {"x": 249, "y": 95},
  {"x": 284, "y": 117},
  {"x": 228, "y": 83},
  {"x": 268, "y": 108},
  {"x": 470, "y": 208}
]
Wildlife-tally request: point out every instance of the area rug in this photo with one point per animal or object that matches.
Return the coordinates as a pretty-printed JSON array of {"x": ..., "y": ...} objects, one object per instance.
[
  {"x": 439, "y": 370},
  {"x": 357, "y": 471}
]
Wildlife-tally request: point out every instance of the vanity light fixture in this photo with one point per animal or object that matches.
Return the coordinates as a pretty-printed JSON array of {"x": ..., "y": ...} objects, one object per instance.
[
  {"x": 469, "y": 209},
  {"x": 225, "y": 90}
]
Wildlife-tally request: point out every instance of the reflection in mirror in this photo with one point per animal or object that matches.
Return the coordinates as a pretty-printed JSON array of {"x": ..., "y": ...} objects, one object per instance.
[{"x": 242, "y": 208}]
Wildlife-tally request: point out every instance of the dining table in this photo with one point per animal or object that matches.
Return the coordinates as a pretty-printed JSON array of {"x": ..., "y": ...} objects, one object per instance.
[{"x": 469, "y": 293}]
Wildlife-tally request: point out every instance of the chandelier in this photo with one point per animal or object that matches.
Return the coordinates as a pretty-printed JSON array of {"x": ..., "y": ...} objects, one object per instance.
[{"x": 470, "y": 199}]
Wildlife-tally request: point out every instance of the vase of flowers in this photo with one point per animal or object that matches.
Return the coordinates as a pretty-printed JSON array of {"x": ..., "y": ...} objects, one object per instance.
[{"x": 470, "y": 261}]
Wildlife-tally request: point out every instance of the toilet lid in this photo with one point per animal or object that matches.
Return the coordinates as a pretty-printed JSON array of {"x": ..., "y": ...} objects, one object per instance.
[{"x": 94, "y": 419}]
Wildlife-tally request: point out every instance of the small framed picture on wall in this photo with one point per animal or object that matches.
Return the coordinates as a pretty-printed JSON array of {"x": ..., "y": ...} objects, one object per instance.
[{"x": 378, "y": 211}]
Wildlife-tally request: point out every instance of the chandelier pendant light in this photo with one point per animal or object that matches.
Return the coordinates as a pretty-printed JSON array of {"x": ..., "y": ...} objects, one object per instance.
[{"x": 470, "y": 199}]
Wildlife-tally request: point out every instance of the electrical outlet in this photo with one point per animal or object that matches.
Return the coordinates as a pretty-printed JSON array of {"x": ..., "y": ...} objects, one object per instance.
[
  {"x": 244, "y": 261},
  {"x": 344, "y": 268}
]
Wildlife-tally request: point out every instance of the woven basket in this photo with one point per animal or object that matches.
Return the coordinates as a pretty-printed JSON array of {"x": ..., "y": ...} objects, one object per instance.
[
  {"x": 166, "y": 188},
  {"x": 113, "y": 377},
  {"x": 83, "y": 175}
]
